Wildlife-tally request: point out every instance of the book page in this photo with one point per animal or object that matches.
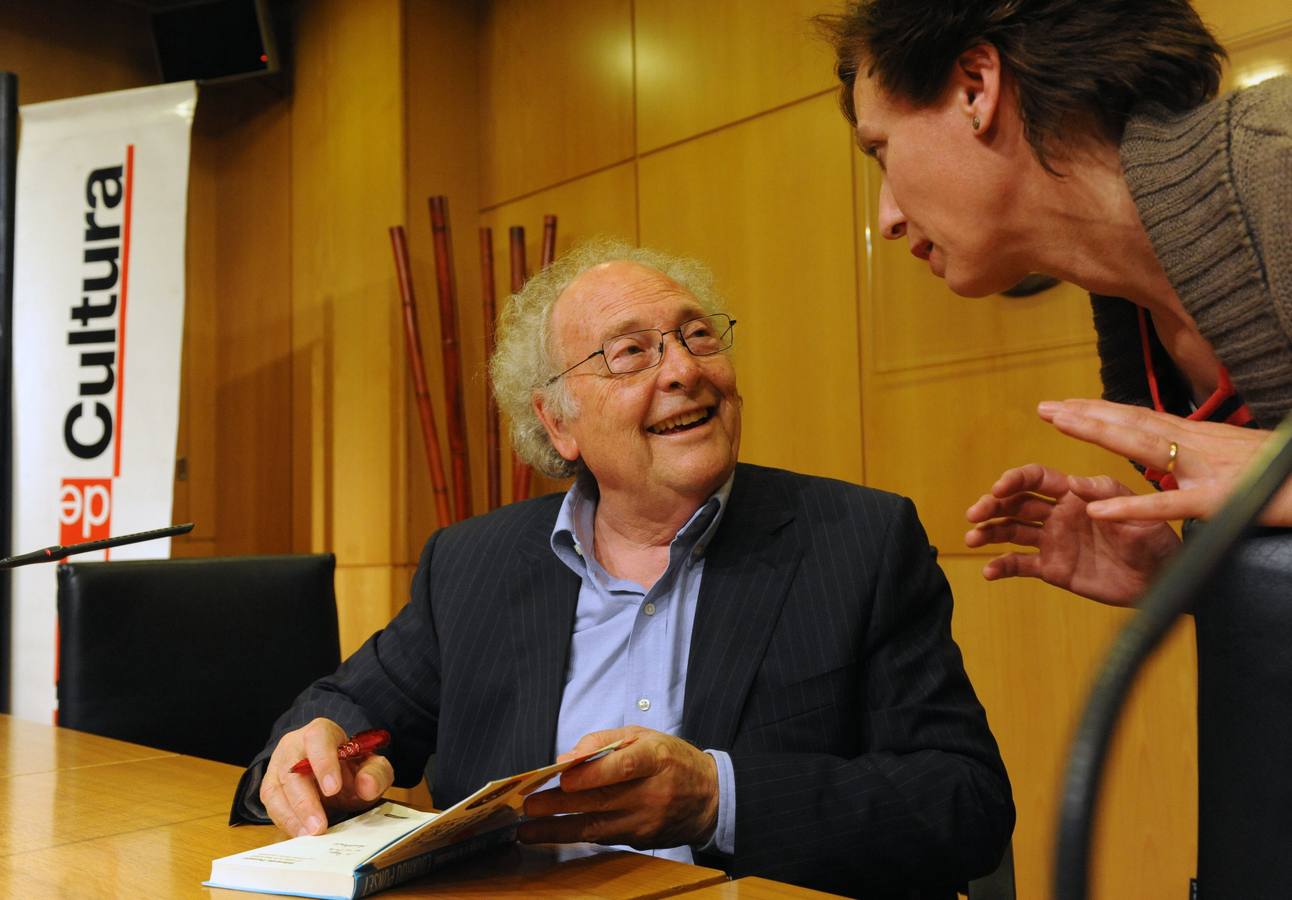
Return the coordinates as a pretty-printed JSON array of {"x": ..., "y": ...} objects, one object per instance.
[
  {"x": 496, "y": 804},
  {"x": 340, "y": 850}
]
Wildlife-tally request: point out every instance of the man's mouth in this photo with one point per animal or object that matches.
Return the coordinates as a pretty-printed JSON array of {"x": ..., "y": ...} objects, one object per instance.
[
  {"x": 682, "y": 421},
  {"x": 923, "y": 250}
]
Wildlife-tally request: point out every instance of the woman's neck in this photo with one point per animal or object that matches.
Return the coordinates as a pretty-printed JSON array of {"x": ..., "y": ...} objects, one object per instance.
[{"x": 1097, "y": 240}]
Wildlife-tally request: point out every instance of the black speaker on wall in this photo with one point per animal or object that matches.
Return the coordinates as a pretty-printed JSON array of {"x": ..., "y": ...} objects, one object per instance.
[{"x": 214, "y": 40}]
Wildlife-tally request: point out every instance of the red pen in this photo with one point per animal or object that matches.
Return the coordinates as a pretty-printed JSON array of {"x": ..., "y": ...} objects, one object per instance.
[{"x": 365, "y": 743}]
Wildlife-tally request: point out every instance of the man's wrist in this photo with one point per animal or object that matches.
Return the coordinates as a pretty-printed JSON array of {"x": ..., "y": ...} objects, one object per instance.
[{"x": 722, "y": 837}]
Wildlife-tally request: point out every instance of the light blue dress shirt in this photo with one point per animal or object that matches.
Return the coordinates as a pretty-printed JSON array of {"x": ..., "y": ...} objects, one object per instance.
[{"x": 630, "y": 646}]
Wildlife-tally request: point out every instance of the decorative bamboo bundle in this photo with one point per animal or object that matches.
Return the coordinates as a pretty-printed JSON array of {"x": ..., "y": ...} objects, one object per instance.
[
  {"x": 417, "y": 365},
  {"x": 493, "y": 454},
  {"x": 455, "y": 413}
]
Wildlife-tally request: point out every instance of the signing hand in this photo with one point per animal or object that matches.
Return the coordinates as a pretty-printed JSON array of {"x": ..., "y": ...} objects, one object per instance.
[
  {"x": 1209, "y": 459},
  {"x": 1036, "y": 506},
  {"x": 659, "y": 791},
  {"x": 294, "y": 801}
]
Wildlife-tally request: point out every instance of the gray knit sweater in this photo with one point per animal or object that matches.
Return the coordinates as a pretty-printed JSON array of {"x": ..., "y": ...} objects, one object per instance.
[{"x": 1214, "y": 190}]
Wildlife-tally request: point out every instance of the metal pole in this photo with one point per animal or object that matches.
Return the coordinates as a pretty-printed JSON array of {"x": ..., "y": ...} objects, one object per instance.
[{"x": 8, "y": 180}]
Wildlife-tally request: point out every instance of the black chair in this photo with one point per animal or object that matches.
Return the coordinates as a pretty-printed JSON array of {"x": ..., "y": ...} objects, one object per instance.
[
  {"x": 195, "y": 656},
  {"x": 999, "y": 885},
  {"x": 1244, "y": 634}
]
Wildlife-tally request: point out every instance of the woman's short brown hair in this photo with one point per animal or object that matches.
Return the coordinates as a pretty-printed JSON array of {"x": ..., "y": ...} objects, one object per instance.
[{"x": 1076, "y": 63}]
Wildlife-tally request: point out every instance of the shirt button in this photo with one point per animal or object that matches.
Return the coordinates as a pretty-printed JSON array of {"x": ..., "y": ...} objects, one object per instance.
[
  {"x": 578, "y": 549},
  {"x": 649, "y": 609},
  {"x": 643, "y": 704}
]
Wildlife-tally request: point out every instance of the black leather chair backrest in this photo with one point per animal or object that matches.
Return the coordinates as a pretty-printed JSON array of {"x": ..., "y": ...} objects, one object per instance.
[
  {"x": 999, "y": 885},
  {"x": 1244, "y": 633},
  {"x": 195, "y": 656}
]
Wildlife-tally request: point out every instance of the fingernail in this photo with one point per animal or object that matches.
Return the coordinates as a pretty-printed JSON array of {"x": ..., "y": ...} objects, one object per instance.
[
  {"x": 312, "y": 825},
  {"x": 329, "y": 785},
  {"x": 1047, "y": 407}
]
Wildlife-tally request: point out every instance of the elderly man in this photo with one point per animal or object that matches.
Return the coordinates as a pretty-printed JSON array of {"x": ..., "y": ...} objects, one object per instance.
[{"x": 778, "y": 645}]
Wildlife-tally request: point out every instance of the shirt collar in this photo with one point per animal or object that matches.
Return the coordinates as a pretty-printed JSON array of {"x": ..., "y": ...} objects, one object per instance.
[{"x": 573, "y": 528}]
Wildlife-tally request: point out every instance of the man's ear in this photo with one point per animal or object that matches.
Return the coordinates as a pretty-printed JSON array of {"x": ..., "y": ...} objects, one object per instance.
[
  {"x": 976, "y": 80},
  {"x": 559, "y": 435}
]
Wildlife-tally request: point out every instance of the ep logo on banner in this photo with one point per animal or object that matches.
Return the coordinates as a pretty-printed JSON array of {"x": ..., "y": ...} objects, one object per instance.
[
  {"x": 84, "y": 510},
  {"x": 98, "y": 325}
]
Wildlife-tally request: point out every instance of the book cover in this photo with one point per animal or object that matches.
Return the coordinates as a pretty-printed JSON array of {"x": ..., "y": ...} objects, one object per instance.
[{"x": 387, "y": 845}]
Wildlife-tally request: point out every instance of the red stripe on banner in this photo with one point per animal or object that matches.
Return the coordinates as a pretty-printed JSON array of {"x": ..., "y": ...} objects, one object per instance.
[{"x": 121, "y": 320}]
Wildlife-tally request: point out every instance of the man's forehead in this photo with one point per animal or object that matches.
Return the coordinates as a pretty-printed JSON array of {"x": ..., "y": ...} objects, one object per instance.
[{"x": 619, "y": 293}]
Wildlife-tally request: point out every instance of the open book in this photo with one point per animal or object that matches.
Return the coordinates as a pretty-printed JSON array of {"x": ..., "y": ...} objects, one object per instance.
[{"x": 388, "y": 844}]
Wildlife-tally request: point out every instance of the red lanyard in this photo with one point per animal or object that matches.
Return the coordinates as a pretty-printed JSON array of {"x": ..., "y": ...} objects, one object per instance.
[{"x": 1206, "y": 412}]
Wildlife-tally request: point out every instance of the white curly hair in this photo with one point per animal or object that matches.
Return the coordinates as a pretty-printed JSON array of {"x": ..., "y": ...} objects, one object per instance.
[{"x": 524, "y": 359}]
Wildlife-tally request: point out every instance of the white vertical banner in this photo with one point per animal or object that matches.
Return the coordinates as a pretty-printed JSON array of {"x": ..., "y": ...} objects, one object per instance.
[{"x": 98, "y": 325}]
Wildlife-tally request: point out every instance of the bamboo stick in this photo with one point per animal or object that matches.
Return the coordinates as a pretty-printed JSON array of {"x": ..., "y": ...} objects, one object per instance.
[
  {"x": 455, "y": 413},
  {"x": 519, "y": 471},
  {"x": 549, "y": 242},
  {"x": 493, "y": 455},
  {"x": 417, "y": 366}
]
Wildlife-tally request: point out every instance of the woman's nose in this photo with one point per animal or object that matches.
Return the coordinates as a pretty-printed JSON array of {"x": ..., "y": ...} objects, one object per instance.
[{"x": 892, "y": 222}]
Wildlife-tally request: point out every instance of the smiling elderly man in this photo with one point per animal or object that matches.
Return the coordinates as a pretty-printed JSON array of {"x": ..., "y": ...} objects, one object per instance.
[{"x": 778, "y": 645}]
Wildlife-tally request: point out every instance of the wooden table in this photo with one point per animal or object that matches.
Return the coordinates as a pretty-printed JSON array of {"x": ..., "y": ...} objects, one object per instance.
[
  {"x": 755, "y": 889},
  {"x": 87, "y": 816}
]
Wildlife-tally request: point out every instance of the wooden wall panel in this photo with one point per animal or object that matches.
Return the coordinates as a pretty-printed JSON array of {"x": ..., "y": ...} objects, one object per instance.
[
  {"x": 442, "y": 68},
  {"x": 943, "y": 435},
  {"x": 1261, "y": 56},
  {"x": 252, "y": 389},
  {"x": 1032, "y": 651},
  {"x": 195, "y": 481},
  {"x": 556, "y": 92},
  {"x": 767, "y": 204},
  {"x": 68, "y": 48},
  {"x": 598, "y": 204},
  {"x": 1240, "y": 18},
  {"x": 702, "y": 65},
  {"x": 368, "y": 591},
  {"x": 347, "y": 187}
]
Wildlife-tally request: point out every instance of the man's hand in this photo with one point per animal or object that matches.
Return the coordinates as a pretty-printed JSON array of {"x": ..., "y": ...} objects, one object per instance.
[
  {"x": 1036, "y": 506},
  {"x": 294, "y": 801},
  {"x": 658, "y": 792}
]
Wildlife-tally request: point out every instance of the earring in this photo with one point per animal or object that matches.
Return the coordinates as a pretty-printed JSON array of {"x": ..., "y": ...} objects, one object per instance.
[{"x": 976, "y": 123}]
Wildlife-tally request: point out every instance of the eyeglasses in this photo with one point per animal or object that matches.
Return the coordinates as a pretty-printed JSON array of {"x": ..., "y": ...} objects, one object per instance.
[{"x": 640, "y": 350}]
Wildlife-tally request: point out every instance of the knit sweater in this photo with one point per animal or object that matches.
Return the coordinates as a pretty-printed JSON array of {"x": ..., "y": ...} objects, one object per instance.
[{"x": 1213, "y": 187}]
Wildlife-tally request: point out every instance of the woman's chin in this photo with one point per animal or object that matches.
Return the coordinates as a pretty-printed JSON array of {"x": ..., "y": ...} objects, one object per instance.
[{"x": 977, "y": 283}]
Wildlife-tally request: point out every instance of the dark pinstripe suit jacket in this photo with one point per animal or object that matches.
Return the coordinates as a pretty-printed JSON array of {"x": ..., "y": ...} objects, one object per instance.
[{"x": 821, "y": 660}]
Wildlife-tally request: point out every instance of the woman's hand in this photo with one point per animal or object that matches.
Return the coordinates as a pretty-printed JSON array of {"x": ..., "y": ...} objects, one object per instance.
[
  {"x": 1036, "y": 506},
  {"x": 1209, "y": 458}
]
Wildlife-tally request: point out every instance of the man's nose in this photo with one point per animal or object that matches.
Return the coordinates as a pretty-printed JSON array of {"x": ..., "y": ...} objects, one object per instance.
[
  {"x": 892, "y": 221},
  {"x": 678, "y": 363}
]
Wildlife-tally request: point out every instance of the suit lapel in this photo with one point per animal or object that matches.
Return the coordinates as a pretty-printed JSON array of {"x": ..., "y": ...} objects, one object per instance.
[
  {"x": 543, "y": 603},
  {"x": 747, "y": 573}
]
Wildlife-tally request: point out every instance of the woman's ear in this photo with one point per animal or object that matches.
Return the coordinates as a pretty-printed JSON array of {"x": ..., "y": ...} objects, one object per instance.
[
  {"x": 976, "y": 80},
  {"x": 557, "y": 431}
]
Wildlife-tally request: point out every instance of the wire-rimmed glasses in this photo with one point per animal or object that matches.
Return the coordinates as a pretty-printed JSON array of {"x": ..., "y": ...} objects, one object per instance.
[{"x": 639, "y": 350}]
